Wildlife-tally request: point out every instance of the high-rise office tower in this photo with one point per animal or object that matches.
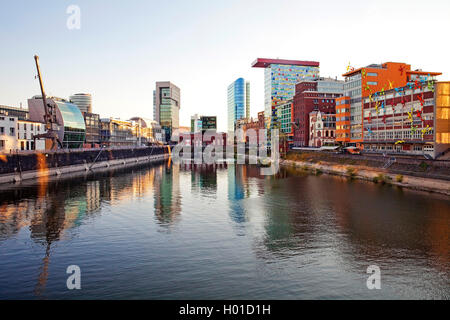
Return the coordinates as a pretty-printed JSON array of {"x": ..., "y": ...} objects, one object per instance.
[
  {"x": 280, "y": 78},
  {"x": 166, "y": 107},
  {"x": 247, "y": 99},
  {"x": 238, "y": 102}
]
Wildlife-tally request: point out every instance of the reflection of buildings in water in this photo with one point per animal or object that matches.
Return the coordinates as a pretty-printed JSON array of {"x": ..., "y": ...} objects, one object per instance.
[
  {"x": 48, "y": 209},
  {"x": 118, "y": 188},
  {"x": 236, "y": 194},
  {"x": 391, "y": 228},
  {"x": 167, "y": 194},
  {"x": 290, "y": 222},
  {"x": 93, "y": 196},
  {"x": 203, "y": 178}
]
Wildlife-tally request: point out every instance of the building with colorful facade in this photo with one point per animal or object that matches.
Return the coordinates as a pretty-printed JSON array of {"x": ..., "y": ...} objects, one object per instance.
[
  {"x": 412, "y": 119},
  {"x": 343, "y": 120},
  {"x": 307, "y": 99},
  {"x": 280, "y": 78},
  {"x": 238, "y": 102},
  {"x": 322, "y": 129},
  {"x": 364, "y": 82}
]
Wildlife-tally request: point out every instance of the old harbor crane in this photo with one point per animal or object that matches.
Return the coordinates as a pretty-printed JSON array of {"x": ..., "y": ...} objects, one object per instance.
[{"x": 51, "y": 125}]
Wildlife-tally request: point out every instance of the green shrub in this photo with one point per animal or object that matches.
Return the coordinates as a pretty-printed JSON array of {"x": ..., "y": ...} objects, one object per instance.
[
  {"x": 424, "y": 166},
  {"x": 399, "y": 178},
  {"x": 382, "y": 178}
]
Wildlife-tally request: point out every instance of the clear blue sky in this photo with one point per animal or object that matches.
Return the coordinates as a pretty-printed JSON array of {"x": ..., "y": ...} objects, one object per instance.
[{"x": 123, "y": 47}]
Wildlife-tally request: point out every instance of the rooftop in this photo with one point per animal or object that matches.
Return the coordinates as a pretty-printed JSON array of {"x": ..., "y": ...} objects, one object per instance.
[{"x": 264, "y": 63}]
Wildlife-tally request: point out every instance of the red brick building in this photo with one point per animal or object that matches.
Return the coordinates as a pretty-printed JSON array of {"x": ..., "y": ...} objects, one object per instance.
[{"x": 307, "y": 99}]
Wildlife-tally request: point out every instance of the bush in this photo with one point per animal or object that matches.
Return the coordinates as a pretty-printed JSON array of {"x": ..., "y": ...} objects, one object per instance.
[
  {"x": 318, "y": 172},
  {"x": 424, "y": 166},
  {"x": 399, "y": 178},
  {"x": 382, "y": 178}
]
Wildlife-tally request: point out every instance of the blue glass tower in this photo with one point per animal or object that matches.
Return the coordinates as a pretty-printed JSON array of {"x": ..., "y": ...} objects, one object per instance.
[{"x": 237, "y": 102}]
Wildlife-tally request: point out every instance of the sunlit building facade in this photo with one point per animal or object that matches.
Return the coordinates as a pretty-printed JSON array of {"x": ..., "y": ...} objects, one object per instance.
[
  {"x": 72, "y": 128},
  {"x": 83, "y": 101},
  {"x": 364, "y": 82},
  {"x": 412, "y": 119},
  {"x": 280, "y": 78},
  {"x": 166, "y": 107}
]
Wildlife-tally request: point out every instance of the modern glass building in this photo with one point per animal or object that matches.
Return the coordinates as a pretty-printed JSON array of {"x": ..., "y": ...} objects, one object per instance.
[
  {"x": 280, "y": 78},
  {"x": 72, "y": 128},
  {"x": 238, "y": 102},
  {"x": 83, "y": 101},
  {"x": 166, "y": 108}
]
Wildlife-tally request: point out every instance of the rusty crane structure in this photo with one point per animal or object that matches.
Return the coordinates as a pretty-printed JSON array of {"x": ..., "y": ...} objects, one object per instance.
[{"x": 51, "y": 125}]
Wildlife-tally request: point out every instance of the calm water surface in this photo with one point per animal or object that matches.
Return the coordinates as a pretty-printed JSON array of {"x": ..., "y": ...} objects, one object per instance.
[{"x": 176, "y": 232}]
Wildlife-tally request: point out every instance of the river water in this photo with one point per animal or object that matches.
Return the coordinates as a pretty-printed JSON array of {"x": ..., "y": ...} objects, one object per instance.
[{"x": 168, "y": 231}]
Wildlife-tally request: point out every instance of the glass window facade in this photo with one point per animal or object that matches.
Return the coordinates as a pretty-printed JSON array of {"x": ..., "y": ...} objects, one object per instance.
[
  {"x": 279, "y": 85},
  {"x": 236, "y": 102},
  {"x": 74, "y": 125}
]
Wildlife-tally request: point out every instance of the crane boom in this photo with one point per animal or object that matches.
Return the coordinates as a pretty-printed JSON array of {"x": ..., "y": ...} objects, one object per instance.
[{"x": 49, "y": 116}]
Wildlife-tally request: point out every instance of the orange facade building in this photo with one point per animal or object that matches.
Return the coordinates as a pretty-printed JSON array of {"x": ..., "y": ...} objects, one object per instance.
[
  {"x": 364, "y": 82},
  {"x": 343, "y": 120}
]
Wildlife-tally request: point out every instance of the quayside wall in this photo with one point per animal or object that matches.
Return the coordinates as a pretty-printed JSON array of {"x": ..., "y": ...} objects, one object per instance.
[{"x": 31, "y": 165}]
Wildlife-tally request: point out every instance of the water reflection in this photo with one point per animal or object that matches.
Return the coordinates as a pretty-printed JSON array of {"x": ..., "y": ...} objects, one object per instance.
[{"x": 299, "y": 229}]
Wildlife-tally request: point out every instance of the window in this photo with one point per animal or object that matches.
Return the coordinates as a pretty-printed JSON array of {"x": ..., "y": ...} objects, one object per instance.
[
  {"x": 11, "y": 119},
  {"x": 2, "y": 130},
  {"x": 372, "y": 74},
  {"x": 11, "y": 132},
  {"x": 372, "y": 83}
]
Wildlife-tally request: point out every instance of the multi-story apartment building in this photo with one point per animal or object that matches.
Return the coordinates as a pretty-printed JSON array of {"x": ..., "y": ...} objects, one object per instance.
[
  {"x": 17, "y": 132},
  {"x": 364, "y": 82},
  {"x": 322, "y": 129},
  {"x": 26, "y": 130},
  {"x": 308, "y": 98},
  {"x": 280, "y": 78},
  {"x": 412, "y": 119},
  {"x": 166, "y": 107},
  {"x": 8, "y": 136},
  {"x": 238, "y": 102}
]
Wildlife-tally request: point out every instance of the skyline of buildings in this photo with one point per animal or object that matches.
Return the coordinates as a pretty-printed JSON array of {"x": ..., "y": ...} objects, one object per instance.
[{"x": 347, "y": 100}]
